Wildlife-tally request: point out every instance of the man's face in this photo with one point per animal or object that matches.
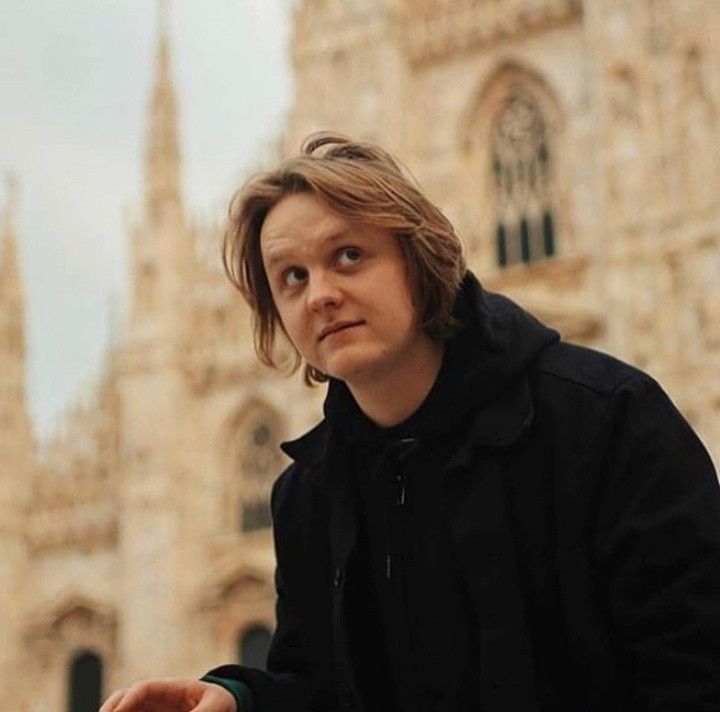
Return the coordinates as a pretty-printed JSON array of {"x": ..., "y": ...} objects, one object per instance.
[{"x": 341, "y": 290}]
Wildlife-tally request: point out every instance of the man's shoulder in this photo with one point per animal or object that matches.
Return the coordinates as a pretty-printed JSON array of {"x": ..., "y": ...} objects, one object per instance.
[
  {"x": 569, "y": 366},
  {"x": 307, "y": 452},
  {"x": 288, "y": 483}
]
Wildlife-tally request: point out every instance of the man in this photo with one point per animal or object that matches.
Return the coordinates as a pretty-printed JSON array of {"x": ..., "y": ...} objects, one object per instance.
[{"x": 487, "y": 518}]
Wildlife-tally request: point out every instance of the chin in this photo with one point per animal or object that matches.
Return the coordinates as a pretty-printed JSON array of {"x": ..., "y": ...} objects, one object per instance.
[
  {"x": 345, "y": 371},
  {"x": 353, "y": 367}
]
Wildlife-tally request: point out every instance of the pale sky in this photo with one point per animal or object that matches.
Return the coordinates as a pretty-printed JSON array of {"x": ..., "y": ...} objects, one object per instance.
[{"x": 74, "y": 83}]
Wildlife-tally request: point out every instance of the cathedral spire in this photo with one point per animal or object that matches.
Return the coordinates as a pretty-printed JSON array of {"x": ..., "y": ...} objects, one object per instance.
[
  {"x": 16, "y": 449},
  {"x": 11, "y": 288},
  {"x": 163, "y": 198},
  {"x": 15, "y": 433}
]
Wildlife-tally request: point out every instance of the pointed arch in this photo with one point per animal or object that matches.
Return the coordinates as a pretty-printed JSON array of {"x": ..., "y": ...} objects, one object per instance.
[
  {"x": 234, "y": 583},
  {"x": 238, "y": 597},
  {"x": 512, "y": 132},
  {"x": 73, "y": 638},
  {"x": 254, "y": 460},
  {"x": 72, "y": 613}
]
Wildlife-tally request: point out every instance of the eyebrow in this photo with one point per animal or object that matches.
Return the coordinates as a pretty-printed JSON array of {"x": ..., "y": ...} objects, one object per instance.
[{"x": 279, "y": 254}]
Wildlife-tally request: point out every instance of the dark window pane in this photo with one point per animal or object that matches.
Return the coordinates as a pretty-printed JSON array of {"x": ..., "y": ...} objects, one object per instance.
[
  {"x": 524, "y": 241},
  {"x": 256, "y": 515},
  {"x": 543, "y": 153},
  {"x": 253, "y": 647},
  {"x": 548, "y": 235},
  {"x": 85, "y": 684},
  {"x": 501, "y": 246}
]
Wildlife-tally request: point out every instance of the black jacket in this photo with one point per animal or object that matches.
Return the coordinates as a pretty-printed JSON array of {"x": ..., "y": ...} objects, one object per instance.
[{"x": 584, "y": 521}]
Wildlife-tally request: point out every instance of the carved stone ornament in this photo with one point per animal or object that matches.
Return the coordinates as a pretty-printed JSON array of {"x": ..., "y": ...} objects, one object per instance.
[
  {"x": 244, "y": 582},
  {"x": 75, "y": 617},
  {"x": 445, "y": 29}
]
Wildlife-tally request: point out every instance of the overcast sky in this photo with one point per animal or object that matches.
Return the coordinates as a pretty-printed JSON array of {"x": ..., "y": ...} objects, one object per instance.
[{"x": 74, "y": 83}]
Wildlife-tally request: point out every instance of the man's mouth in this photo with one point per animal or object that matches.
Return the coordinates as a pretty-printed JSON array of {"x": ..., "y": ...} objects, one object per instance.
[{"x": 339, "y": 326}]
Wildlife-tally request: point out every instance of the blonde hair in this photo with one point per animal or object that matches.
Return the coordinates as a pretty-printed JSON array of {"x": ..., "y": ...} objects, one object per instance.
[{"x": 365, "y": 184}]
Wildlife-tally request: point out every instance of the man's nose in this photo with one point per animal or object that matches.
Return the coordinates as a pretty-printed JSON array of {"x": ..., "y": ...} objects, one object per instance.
[{"x": 323, "y": 292}]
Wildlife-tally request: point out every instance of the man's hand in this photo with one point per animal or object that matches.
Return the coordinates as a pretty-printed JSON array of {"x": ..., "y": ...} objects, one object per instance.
[{"x": 171, "y": 694}]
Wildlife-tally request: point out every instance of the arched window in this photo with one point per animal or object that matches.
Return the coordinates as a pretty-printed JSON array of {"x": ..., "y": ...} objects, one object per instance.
[
  {"x": 253, "y": 645},
  {"x": 85, "y": 685},
  {"x": 521, "y": 167},
  {"x": 259, "y": 461}
]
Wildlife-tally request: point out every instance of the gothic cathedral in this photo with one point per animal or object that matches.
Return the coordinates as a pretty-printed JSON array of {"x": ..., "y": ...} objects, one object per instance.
[{"x": 576, "y": 147}]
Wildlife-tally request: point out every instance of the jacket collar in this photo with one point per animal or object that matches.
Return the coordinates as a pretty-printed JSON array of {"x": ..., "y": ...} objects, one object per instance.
[
  {"x": 311, "y": 447},
  {"x": 496, "y": 425},
  {"x": 502, "y": 340}
]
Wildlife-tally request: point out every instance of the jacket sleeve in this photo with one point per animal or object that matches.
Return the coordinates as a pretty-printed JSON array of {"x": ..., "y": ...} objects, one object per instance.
[
  {"x": 658, "y": 554},
  {"x": 288, "y": 684}
]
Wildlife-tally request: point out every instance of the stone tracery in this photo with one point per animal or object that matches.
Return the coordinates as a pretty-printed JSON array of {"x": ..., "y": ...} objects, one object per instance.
[
  {"x": 257, "y": 461},
  {"x": 521, "y": 170}
]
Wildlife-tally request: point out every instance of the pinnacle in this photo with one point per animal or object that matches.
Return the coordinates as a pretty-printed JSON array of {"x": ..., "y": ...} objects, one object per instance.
[
  {"x": 162, "y": 162},
  {"x": 11, "y": 288},
  {"x": 9, "y": 247},
  {"x": 163, "y": 17},
  {"x": 12, "y": 195}
]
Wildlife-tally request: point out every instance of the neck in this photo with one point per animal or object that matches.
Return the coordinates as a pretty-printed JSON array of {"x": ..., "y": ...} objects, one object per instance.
[{"x": 392, "y": 397}]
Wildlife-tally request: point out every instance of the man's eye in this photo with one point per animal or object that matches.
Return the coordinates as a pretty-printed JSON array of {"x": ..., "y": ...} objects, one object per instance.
[
  {"x": 294, "y": 276},
  {"x": 348, "y": 255}
]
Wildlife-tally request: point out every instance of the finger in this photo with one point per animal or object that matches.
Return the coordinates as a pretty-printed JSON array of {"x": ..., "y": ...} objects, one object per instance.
[
  {"x": 112, "y": 701},
  {"x": 216, "y": 699},
  {"x": 166, "y": 691},
  {"x": 212, "y": 706},
  {"x": 134, "y": 698}
]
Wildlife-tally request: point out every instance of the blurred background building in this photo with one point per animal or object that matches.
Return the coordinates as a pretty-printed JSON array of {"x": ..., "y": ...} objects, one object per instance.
[{"x": 575, "y": 145}]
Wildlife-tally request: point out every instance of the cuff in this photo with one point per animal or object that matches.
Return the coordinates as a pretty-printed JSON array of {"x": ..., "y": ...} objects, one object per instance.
[{"x": 239, "y": 690}]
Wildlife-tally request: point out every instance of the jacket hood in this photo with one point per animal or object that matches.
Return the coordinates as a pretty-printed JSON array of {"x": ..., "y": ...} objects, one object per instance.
[
  {"x": 502, "y": 337},
  {"x": 482, "y": 374}
]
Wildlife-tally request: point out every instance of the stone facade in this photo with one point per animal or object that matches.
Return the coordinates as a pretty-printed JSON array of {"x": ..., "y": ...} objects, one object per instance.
[{"x": 574, "y": 145}]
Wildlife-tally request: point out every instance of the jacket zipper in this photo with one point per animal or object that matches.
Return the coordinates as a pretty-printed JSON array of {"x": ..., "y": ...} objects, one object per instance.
[
  {"x": 398, "y": 503},
  {"x": 406, "y": 446}
]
